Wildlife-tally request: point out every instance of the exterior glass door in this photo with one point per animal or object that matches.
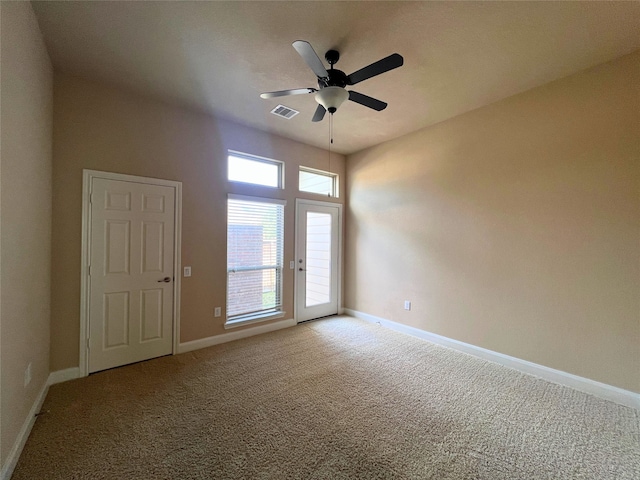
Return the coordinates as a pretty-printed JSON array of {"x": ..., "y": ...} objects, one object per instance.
[{"x": 317, "y": 266}]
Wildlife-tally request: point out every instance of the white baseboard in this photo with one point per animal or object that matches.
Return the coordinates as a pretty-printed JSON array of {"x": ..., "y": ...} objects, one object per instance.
[
  {"x": 601, "y": 390},
  {"x": 237, "y": 335},
  {"x": 65, "y": 375},
  {"x": 12, "y": 459}
]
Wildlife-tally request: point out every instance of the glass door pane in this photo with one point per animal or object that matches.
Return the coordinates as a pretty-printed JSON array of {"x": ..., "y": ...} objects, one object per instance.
[{"x": 318, "y": 259}]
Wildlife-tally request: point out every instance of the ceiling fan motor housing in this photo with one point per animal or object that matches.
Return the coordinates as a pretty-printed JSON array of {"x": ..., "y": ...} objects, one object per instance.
[{"x": 337, "y": 78}]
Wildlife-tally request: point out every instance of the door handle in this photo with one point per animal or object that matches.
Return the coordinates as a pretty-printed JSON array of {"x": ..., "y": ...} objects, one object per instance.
[
  {"x": 165, "y": 280},
  {"x": 301, "y": 269}
]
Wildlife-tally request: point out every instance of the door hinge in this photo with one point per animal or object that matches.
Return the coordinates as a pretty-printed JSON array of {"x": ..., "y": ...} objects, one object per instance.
[
  {"x": 88, "y": 343},
  {"x": 91, "y": 198},
  {"x": 89, "y": 270}
]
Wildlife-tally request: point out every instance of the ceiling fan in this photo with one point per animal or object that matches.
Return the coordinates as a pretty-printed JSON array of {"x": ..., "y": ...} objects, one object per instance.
[{"x": 331, "y": 92}]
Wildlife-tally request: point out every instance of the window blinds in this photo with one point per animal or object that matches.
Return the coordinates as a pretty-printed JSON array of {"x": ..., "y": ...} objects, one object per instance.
[{"x": 255, "y": 241}]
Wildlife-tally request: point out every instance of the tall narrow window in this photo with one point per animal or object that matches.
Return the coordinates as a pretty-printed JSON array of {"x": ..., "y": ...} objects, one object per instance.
[
  {"x": 318, "y": 181},
  {"x": 255, "y": 244}
]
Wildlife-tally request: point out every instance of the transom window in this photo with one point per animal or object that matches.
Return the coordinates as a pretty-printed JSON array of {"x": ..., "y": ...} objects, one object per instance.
[
  {"x": 318, "y": 181},
  {"x": 256, "y": 170},
  {"x": 255, "y": 244}
]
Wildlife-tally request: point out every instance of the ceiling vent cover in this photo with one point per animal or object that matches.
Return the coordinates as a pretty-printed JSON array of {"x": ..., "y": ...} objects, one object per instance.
[{"x": 284, "y": 112}]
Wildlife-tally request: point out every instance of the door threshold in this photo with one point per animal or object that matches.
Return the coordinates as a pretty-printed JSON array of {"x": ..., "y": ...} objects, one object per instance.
[{"x": 319, "y": 318}]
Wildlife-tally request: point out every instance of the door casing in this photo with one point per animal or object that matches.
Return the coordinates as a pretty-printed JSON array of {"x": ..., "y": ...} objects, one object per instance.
[
  {"x": 303, "y": 201},
  {"x": 87, "y": 178}
]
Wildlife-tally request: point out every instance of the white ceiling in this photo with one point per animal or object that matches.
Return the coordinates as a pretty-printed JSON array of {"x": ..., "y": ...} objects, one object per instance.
[{"x": 219, "y": 56}]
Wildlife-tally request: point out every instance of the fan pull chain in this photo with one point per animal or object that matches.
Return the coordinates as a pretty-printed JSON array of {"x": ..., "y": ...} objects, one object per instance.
[
  {"x": 330, "y": 143},
  {"x": 331, "y": 128}
]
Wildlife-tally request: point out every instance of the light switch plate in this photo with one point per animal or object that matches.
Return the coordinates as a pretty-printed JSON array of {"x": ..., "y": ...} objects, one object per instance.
[
  {"x": 187, "y": 271},
  {"x": 292, "y": 265}
]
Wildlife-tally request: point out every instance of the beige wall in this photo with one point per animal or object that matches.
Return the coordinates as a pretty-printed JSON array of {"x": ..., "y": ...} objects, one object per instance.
[
  {"x": 101, "y": 128},
  {"x": 25, "y": 224},
  {"x": 515, "y": 227}
]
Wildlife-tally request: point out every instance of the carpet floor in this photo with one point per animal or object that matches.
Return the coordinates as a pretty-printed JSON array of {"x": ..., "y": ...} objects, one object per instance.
[{"x": 332, "y": 399}]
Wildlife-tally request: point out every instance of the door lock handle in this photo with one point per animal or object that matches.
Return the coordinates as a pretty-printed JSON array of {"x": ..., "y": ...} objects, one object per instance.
[
  {"x": 301, "y": 269},
  {"x": 165, "y": 280}
]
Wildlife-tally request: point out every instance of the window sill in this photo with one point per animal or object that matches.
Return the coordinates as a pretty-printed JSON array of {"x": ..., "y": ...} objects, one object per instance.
[{"x": 241, "y": 322}]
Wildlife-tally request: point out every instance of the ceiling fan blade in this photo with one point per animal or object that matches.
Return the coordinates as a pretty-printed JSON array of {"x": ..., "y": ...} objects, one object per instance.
[
  {"x": 367, "y": 101},
  {"x": 310, "y": 56},
  {"x": 319, "y": 115},
  {"x": 394, "y": 60},
  {"x": 282, "y": 93}
]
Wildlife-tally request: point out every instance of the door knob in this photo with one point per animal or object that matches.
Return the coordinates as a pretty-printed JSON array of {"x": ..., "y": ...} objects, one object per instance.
[
  {"x": 301, "y": 269},
  {"x": 165, "y": 280}
]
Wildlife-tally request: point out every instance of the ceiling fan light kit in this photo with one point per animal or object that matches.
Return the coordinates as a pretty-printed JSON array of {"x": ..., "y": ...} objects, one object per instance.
[
  {"x": 331, "y": 92},
  {"x": 331, "y": 98}
]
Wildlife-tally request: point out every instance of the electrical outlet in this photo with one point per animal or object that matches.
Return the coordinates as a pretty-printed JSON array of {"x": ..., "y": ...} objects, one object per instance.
[
  {"x": 187, "y": 271},
  {"x": 27, "y": 375},
  {"x": 407, "y": 305},
  {"x": 217, "y": 312}
]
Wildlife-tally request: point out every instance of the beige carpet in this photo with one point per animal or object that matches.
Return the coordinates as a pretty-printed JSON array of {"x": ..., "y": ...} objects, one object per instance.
[{"x": 332, "y": 399}]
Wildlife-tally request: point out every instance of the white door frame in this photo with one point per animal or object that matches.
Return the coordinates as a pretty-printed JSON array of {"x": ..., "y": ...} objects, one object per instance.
[
  {"x": 87, "y": 178},
  {"x": 320, "y": 203}
]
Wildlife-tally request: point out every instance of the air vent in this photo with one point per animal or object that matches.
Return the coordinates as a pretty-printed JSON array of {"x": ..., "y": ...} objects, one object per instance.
[{"x": 284, "y": 112}]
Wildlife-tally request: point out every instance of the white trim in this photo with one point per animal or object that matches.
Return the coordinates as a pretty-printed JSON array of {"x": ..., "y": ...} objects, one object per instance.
[
  {"x": 14, "y": 454},
  {"x": 177, "y": 267},
  {"x": 255, "y": 199},
  {"x": 231, "y": 336},
  {"x": 60, "y": 376},
  {"x": 84, "y": 274},
  {"x": 253, "y": 319},
  {"x": 87, "y": 177},
  {"x": 340, "y": 250},
  {"x": 601, "y": 390}
]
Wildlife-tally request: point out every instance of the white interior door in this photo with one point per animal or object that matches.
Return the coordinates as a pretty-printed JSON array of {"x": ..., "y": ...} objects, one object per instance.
[
  {"x": 131, "y": 272},
  {"x": 317, "y": 262}
]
